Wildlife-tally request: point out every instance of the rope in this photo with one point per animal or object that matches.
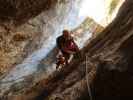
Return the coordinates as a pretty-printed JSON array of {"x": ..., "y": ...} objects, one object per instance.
[{"x": 87, "y": 80}]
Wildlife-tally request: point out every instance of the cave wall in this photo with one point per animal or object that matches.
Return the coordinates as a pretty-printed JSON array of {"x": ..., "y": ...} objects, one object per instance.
[
  {"x": 110, "y": 58},
  {"x": 28, "y": 37},
  {"x": 19, "y": 11},
  {"x": 113, "y": 48},
  {"x": 19, "y": 41}
]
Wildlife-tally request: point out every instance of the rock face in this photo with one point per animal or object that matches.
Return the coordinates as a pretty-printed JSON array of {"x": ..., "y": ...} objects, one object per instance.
[
  {"x": 14, "y": 46},
  {"x": 109, "y": 62},
  {"x": 17, "y": 42},
  {"x": 114, "y": 75},
  {"x": 110, "y": 52},
  {"x": 20, "y": 11},
  {"x": 105, "y": 63},
  {"x": 28, "y": 41}
]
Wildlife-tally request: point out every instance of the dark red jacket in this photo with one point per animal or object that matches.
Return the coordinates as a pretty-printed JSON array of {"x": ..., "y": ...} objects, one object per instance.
[{"x": 66, "y": 44}]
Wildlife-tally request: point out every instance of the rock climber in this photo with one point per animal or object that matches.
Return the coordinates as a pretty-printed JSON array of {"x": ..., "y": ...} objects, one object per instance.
[{"x": 66, "y": 45}]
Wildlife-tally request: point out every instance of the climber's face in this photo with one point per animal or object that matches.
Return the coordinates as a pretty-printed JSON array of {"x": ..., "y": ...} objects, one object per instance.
[{"x": 66, "y": 34}]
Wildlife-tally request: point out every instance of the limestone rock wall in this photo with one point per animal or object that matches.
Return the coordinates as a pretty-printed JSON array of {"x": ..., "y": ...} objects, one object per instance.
[
  {"x": 17, "y": 42},
  {"x": 19, "y": 11}
]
